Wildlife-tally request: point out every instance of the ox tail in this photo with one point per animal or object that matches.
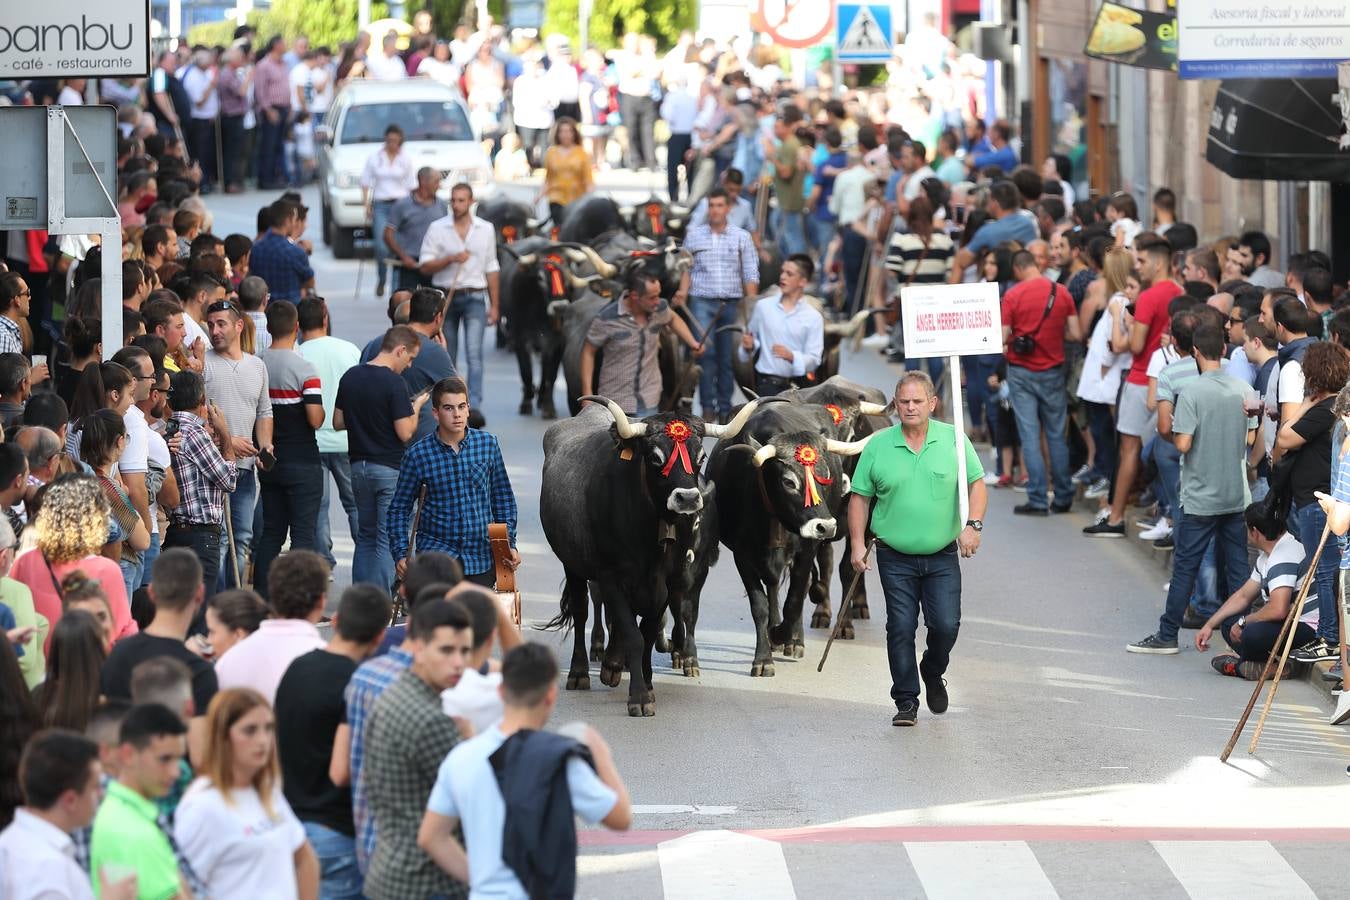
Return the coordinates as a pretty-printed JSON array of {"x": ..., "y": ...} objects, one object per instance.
[{"x": 574, "y": 591}]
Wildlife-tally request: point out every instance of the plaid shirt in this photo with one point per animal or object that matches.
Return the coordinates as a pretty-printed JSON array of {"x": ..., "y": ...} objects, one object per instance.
[
  {"x": 203, "y": 474},
  {"x": 724, "y": 262},
  {"x": 465, "y": 491},
  {"x": 11, "y": 338},
  {"x": 409, "y": 737},
  {"x": 283, "y": 265},
  {"x": 368, "y": 682},
  {"x": 82, "y": 837}
]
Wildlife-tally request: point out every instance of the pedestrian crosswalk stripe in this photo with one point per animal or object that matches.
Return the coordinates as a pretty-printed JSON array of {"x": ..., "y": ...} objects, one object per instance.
[
  {"x": 965, "y": 869},
  {"x": 1221, "y": 870},
  {"x": 723, "y": 865}
]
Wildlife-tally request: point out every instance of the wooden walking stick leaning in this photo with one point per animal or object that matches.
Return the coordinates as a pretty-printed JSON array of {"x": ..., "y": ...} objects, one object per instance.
[
  {"x": 229, "y": 546},
  {"x": 1285, "y": 642},
  {"x": 412, "y": 548},
  {"x": 845, "y": 607}
]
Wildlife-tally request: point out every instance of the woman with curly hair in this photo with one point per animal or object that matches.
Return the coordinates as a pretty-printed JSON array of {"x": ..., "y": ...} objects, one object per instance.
[
  {"x": 234, "y": 824},
  {"x": 68, "y": 697},
  {"x": 70, "y": 529}
]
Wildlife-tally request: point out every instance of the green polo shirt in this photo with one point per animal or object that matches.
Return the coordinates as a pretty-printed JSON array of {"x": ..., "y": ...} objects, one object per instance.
[
  {"x": 126, "y": 833},
  {"x": 918, "y": 509}
]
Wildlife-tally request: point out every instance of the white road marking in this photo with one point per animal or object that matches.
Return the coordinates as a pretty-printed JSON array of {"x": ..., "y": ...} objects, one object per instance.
[
  {"x": 965, "y": 870},
  {"x": 723, "y": 865},
  {"x": 1207, "y": 870},
  {"x": 670, "y": 809}
]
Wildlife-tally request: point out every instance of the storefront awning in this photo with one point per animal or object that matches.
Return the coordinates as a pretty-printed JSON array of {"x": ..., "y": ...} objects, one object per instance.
[{"x": 1280, "y": 130}]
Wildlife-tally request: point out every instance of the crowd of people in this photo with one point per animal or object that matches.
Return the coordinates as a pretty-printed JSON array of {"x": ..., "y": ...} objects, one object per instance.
[{"x": 174, "y": 721}]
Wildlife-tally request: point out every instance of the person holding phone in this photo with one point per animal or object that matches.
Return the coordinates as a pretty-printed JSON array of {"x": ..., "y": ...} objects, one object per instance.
[{"x": 290, "y": 483}]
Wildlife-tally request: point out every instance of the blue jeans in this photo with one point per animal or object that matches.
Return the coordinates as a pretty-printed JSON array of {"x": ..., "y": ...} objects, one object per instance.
[
  {"x": 379, "y": 216},
  {"x": 206, "y": 543},
  {"x": 1168, "y": 460},
  {"x": 978, "y": 369},
  {"x": 1039, "y": 401},
  {"x": 909, "y": 582},
  {"x": 372, "y": 562},
  {"x": 149, "y": 556},
  {"x": 1311, "y": 521},
  {"x": 716, "y": 382},
  {"x": 1205, "y": 599},
  {"x": 340, "y": 466},
  {"x": 470, "y": 309},
  {"x": 853, "y": 255},
  {"x": 271, "y": 147},
  {"x": 290, "y": 500},
  {"x": 819, "y": 233},
  {"x": 242, "y": 503},
  {"x": 131, "y": 574},
  {"x": 933, "y": 365},
  {"x": 1191, "y": 534},
  {"x": 339, "y": 878},
  {"x": 791, "y": 231}
]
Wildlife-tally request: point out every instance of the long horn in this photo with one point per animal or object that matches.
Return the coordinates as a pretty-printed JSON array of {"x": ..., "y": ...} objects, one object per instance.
[
  {"x": 625, "y": 428},
  {"x": 868, "y": 408},
  {"x": 588, "y": 253},
  {"x": 527, "y": 259},
  {"x": 732, "y": 428},
  {"x": 764, "y": 454},
  {"x": 848, "y": 448},
  {"x": 852, "y": 325}
]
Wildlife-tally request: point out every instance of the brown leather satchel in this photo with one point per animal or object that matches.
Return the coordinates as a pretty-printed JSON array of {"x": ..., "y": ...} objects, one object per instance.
[{"x": 499, "y": 538}]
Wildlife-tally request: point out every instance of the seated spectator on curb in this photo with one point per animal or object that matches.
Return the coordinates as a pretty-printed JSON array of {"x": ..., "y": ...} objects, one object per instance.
[{"x": 1252, "y": 618}]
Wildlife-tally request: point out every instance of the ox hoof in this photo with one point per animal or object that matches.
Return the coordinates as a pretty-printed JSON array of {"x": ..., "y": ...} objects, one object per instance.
[
  {"x": 641, "y": 710},
  {"x": 662, "y": 643},
  {"x": 861, "y": 612},
  {"x": 610, "y": 676},
  {"x": 761, "y": 670},
  {"x": 691, "y": 668},
  {"x": 526, "y": 407},
  {"x": 579, "y": 682},
  {"x": 820, "y": 618},
  {"x": 676, "y": 660},
  {"x": 797, "y": 649},
  {"x": 846, "y": 632},
  {"x": 548, "y": 410},
  {"x": 597, "y": 652}
]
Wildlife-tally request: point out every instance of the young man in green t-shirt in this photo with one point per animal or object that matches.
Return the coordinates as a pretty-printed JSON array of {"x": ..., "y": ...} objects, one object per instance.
[
  {"x": 127, "y": 836},
  {"x": 789, "y": 180}
]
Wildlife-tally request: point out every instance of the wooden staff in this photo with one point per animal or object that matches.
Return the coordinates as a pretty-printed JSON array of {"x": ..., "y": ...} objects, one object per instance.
[
  {"x": 845, "y": 606},
  {"x": 412, "y": 546}
]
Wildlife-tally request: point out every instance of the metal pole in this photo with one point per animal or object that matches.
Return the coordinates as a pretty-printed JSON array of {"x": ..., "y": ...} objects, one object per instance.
[
  {"x": 111, "y": 291},
  {"x": 959, "y": 423}
]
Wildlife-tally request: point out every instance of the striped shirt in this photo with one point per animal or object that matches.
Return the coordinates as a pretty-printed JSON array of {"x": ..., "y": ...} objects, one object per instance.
[
  {"x": 239, "y": 388},
  {"x": 292, "y": 387},
  {"x": 724, "y": 262},
  {"x": 913, "y": 262},
  {"x": 1277, "y": 569}
]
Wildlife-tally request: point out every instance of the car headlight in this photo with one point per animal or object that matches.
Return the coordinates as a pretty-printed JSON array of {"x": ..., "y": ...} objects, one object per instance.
[{"x": 347, "y": 179}]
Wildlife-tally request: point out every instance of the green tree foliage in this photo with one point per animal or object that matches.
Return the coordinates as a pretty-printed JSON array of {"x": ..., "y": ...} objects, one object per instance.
[
  {"x": 324, "y": 22},
  {"x": 664, "y": 19}
]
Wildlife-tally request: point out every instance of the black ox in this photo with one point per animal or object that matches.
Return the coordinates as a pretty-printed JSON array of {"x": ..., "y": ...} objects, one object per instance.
[{"x": 624, "y": 506}]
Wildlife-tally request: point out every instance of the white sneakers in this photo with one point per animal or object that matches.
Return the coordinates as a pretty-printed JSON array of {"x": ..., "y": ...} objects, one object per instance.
[{"x": 1161, "y": 529}]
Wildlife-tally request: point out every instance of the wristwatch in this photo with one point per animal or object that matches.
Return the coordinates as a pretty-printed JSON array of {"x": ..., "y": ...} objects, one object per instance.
[
  {"x": 977, "y": 524},
  {"x": 1242, "y": 622}
]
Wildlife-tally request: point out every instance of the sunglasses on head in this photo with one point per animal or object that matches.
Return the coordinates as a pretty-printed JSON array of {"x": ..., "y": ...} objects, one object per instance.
[{"x": 222, "y": 306}]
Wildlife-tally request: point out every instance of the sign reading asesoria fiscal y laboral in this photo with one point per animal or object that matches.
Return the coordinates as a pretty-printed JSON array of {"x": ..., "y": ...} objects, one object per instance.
[
  {"x": 951, "y": 320},
  {"x": 74, "y": 38},
  {"x": 1262, "y": 38}
]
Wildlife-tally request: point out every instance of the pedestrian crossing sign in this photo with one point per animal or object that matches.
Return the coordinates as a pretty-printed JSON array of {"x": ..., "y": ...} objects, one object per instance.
[{"x": 863, "y": 32}]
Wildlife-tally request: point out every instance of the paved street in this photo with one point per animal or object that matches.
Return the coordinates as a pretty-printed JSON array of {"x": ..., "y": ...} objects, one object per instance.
[{"x": 1065, "y": 767}]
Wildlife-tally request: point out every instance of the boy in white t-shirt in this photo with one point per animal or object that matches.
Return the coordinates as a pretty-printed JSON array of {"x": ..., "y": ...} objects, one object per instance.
[{"x": 467, "y": 790}]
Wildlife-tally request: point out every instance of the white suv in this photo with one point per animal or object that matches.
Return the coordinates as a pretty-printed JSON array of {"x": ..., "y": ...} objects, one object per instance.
[{"x": 436, "y": 133}]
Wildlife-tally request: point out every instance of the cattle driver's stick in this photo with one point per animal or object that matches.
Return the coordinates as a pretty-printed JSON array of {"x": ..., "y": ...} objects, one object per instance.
[
  {"x": 845, "y": 606},
  {"x": 1285, "y": 632},
  {"x": 229, "y": 534}
]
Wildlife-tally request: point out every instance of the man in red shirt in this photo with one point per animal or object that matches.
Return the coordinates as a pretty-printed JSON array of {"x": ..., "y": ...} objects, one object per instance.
[
  {"x": 1134, "y": 422},
  {"x": 1037, "y": 314}
]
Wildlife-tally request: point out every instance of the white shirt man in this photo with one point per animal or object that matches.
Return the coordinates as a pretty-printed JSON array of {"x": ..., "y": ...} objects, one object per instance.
[
  {"x": 480, "y": 243},
  {"x": 788, "y": 332}
]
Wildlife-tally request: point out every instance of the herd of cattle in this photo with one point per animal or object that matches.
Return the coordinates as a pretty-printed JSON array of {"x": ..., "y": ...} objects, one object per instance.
[{"x": 635, "y": 510}]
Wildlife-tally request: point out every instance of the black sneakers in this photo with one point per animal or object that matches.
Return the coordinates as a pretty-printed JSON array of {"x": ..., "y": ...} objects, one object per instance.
[
  {"x": 935, "y": 692},
  {"x": 1154, "y": 644},
  {"x": 907, "y": 714},
  {"x": 1026, "y": 509},
  {"x": 1106, "y": 529},
  {"x": 1192, "y": 619},
  {"x": 1315, "y": 650}
]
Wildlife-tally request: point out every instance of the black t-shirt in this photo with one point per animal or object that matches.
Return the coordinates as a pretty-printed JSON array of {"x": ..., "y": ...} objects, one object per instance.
[
  {"x": 130, "y": 652},
  {"x": 371, "y": 397},
  {"x": 1312, "y": 469},
  {"x": 309, "y": 709}
]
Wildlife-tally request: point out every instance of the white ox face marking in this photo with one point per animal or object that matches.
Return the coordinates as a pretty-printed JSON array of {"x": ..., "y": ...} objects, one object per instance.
[
  {"x": 818, "y": 529},
  {"x": 847, "y": 483},
  {"x": 686, "y": 501}
]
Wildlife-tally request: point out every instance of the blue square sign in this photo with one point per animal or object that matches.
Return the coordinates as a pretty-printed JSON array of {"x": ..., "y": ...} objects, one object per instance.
[{"x": 863, "y": 32}]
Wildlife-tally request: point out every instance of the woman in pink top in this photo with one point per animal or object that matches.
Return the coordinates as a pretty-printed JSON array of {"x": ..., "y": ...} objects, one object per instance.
[{"x": 71, "y": 528}]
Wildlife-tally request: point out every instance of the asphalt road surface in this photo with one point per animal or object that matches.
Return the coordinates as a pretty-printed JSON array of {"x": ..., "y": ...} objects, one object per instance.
[{"x": 1065, "y": 766}]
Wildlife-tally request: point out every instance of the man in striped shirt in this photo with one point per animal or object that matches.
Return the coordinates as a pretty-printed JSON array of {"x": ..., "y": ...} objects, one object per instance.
[
  {"x": 292, "y": 488},
  {"x": 726, "y": 268}
]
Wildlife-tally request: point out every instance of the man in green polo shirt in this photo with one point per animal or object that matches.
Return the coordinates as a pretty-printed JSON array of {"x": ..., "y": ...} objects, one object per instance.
[
  {"x": 910, "y": 470},
  {"x": 126, "y": 836}
]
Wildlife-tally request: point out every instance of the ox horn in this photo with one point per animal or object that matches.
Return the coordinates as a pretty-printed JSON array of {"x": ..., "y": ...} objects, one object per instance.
[
  {"x": 604, "y": 269},
  {"x": 625, "y": 428},
  {"x": 851, "y": 326},
  {"x": 732, "y": 428},
  {"x": 527, "y": 259},
  {"x": 848, "y": 448},
  {"x": 868, "y": 408},
  {"x": 764, "y": 454}
]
